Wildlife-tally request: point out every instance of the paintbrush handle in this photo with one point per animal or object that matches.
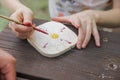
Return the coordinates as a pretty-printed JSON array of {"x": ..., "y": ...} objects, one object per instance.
[
  {"x": 4, "y": 17},
  {"x": 11, "y": 20}
]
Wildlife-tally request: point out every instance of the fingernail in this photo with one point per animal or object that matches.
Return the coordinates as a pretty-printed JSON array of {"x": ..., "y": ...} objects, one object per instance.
[
  {"x": 78, "y": 46},
  {"x": 83, "y": 46},
  {"x": 98, "y": 45}
]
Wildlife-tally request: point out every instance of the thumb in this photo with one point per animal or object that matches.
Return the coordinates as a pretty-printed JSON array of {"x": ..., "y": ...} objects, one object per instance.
[{"x": 27, "y": 19}]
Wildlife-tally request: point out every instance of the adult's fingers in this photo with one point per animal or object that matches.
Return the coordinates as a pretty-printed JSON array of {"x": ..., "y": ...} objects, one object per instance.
[
  {"x": 9, "y": 70},
  {"x": 2, "y": 77},
  {"x": 8, "y": 66}
]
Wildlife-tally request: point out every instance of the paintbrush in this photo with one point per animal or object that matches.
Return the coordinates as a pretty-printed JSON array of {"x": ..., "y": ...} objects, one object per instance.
[{"x": 40, "y": 30}]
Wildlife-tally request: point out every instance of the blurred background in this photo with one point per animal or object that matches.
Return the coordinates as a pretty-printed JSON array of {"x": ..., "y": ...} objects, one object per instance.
[{"x": 39, "y": 7}]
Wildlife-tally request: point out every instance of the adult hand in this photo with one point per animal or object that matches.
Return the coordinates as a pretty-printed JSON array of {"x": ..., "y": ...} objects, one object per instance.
[{"x": 7, "y": 66}]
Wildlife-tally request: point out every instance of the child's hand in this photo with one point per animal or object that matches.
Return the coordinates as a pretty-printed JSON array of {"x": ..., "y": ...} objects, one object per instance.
[
  {"x": 25, "y": 16},
  {"x": 7, "y": 66},
  {"x": 86, "y": 24}
]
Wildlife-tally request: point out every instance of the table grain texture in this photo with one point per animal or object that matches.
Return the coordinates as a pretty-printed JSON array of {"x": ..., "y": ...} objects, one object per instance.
[{"x": 92, "y": 63}]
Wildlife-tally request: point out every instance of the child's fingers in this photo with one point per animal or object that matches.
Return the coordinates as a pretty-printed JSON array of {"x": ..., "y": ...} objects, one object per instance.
[
  {"x": 21, "y": 31},
  {"x": 61, "y": 19},
  {"x": 96, "y": 35},
  {"x": 20, "y": 28},
  {"x": 75, "y": 22},
  {"x": 88, "y": 34},
  {"x": 27, "y": 18},
  {"x": 17, "y": 27},
  {"x": 17, "y": 17},
  {"x": 23, "y": 35},
  {"x": 81, "y": 36}
]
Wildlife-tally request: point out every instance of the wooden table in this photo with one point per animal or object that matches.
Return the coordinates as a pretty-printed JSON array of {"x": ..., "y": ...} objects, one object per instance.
[{"x": 91, "y": 63}]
